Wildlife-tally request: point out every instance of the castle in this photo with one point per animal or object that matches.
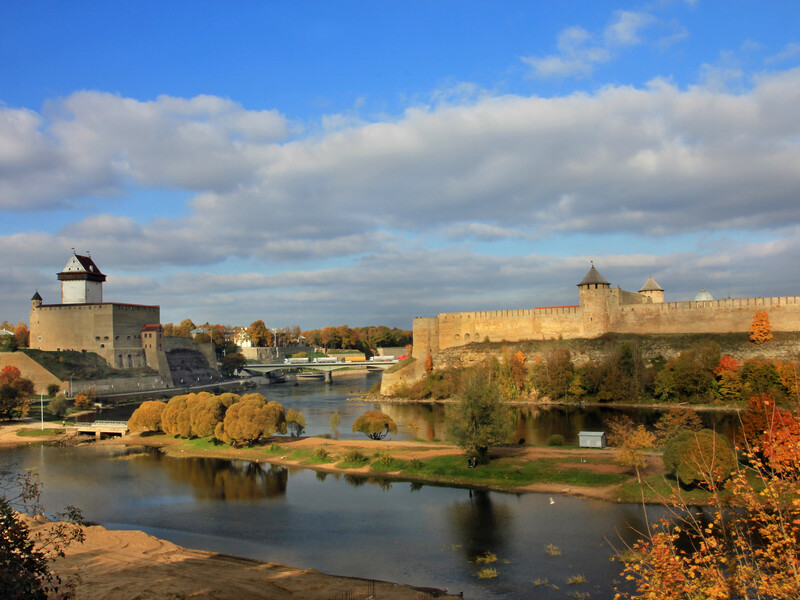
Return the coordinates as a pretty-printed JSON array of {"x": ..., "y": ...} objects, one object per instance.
[{"x": 602, "y": 309}]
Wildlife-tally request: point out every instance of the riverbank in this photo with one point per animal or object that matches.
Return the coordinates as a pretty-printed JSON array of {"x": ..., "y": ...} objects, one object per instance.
[
  {"x": 131, "y": 565},
  {"x": 588, "y": 473}
]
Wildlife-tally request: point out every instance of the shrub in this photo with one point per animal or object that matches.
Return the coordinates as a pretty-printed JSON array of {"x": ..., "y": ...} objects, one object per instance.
[
  {"x": 354, "y": 456},
  {"x": 321, "y": 452},
  {"x": 486, "y": 558},
  {"x": 487, "y": 573},
  {"x": 556, "y": 440},
  {"x": 53, "y": 389}
]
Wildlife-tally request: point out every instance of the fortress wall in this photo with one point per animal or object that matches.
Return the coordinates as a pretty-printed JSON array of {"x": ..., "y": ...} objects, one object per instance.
[
  {"x": 108, "y": 329},
  {"x": 713, "y": 316},
  {"x": 426, "y": 337},
  {"x": 457, "y": 329}
]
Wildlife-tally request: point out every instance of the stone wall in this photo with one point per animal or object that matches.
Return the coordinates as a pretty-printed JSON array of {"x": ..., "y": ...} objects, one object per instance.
[{"x": 111, "y": 330}]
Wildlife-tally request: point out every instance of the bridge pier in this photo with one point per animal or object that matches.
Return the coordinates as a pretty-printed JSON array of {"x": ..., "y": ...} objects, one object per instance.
[{"x": 328, "y": 376}]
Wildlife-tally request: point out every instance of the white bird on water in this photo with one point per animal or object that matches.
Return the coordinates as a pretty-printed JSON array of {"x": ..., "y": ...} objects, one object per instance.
[{"x": 552, "y": 501}]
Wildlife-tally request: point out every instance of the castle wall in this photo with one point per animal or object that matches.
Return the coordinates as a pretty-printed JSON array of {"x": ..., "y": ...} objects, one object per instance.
[
  {"x": 111, "y": 330},
  {"x": 711, "y": 316},
  {"x": 32, "y": 370},
  {"x": 602, "y": 310}
]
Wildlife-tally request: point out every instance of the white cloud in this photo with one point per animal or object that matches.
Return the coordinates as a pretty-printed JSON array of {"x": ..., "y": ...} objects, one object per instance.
[
  {"x": 579, "y": 51},
  {"x": 789, "y": 51}
]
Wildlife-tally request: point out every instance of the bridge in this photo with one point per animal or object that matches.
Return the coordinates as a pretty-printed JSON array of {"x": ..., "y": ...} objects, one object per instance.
[
  {"x": 101, "y": 428},
  {"x": 327, "y": 368}
]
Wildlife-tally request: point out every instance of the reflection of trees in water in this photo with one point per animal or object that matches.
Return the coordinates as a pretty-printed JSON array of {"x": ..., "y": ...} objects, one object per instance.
[
  {"x": 229, "y": 480},
  {"x": 359, "y": 480},
  {"x": 481, "y": 524},
  {"x": 429, "y": 418}
]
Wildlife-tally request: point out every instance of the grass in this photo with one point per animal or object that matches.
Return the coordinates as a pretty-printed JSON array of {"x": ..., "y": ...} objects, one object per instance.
[
  {"x": 81, "y": 365},
  {"x": 39, "y": 432},
  {"x": 509, "y": 472}
]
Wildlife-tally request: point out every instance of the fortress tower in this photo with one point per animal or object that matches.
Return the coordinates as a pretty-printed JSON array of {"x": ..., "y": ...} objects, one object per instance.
[
  {"x": 81, "y": 281},
  {"x": 594, "y": 292},
  {"x": 652, "y": 290}
]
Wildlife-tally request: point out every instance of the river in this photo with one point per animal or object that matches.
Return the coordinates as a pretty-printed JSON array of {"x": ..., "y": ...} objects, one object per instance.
[{"x": 367, "y": 527}]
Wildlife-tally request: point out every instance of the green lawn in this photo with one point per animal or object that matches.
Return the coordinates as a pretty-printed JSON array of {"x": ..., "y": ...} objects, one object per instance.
[{"x": 38, "y": 432}]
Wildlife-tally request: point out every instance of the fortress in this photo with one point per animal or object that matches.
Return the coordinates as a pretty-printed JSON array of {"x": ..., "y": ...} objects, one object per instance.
[
  {"x": 125, "y": 335},
  {"x": 602, "y": 309}
]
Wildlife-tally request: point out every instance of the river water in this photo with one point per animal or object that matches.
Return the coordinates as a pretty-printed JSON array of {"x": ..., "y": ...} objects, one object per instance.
[{"x": 367, "y": 527}]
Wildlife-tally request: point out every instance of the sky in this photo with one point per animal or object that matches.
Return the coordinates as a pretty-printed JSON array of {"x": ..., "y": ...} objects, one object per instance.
[{"x": 365, "y": 163}]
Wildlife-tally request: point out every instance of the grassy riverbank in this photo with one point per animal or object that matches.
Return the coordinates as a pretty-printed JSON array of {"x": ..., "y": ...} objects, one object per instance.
[{"x": 518, "y": 469}]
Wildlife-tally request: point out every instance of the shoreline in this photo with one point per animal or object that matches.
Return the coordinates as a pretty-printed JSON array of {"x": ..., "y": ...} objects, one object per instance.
[{"x": 132, "y": 564}]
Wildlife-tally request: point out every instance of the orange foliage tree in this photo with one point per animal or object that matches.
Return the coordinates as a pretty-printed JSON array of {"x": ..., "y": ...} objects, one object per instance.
[
  {"x": 14, "y": 392},
  {"x": 760, "y": 329},
  {"x": 428, "y": 363}
]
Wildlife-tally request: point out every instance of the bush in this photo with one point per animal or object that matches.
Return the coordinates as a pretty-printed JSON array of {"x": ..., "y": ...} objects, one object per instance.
[
  {"x": 556, "y": 440},
  {"x": 354, "y": 456},
  {"x": 53, "y": 389},
  {"x": 695, "y": 456},
  {"x": 321, "y": 452}
]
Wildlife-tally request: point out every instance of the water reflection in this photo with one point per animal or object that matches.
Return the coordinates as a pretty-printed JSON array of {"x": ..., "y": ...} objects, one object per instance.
[
  {"x": 481, "y": 525},
  {"x": 216, "y": 479}
]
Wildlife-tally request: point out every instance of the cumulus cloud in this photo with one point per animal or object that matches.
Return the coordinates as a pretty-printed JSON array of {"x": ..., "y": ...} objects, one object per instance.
[{"x": 657, "y": 160}]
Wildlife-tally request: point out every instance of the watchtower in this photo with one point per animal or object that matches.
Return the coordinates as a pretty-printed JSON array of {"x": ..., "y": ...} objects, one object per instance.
[
  {"x": 81, "y": 281},
  {"x": 652, "y": 290},
  {"x": 594, "y": 292}
]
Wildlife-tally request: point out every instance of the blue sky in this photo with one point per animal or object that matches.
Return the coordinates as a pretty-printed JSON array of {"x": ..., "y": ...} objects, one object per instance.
[{"x": 322, "y": 163}]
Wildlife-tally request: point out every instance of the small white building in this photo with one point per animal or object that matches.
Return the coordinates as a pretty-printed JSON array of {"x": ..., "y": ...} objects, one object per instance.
[{"x": 592, "y": 439}]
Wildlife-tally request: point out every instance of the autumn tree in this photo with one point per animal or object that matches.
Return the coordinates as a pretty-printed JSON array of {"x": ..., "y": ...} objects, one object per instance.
[
  {"x": 295, "y": 422},
  {"x": 689, "y": 377},
  {"x": 81, "y": 401},
  {"x": 259, "y": 334},
  {"x": 700, "y": 457},
  {"x": 673, "y": 422},
  {"x": 14, "y": 393},
  {"x": 479, "y": 420},
  {"x": 632, "y": 441},
  {"x": 760, "y": 329},
  {"x": 173, "y": 413},
  {"x": 21, "y": 335},
  {"x": 335, "y": 422},
  {"x": 251, "y": 419},
  {"x": 553, "y": 375},
  {"x": 375, "y": 425},
  {"x": 428, "y": 362},
  {"x": 147, "y": 417},
  {"x": 58, "y": 406},
  {"x": 207, "y": 411}
]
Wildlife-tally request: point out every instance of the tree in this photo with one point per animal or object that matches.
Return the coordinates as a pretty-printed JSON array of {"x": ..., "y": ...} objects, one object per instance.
[
  {"x": 232, "y": 363},
  {"x": 553, "y": 375},
  {"x": 58, "y": 406},
  {"x": 25, "y": 556},
  {"x": 749, "y": 552},
  {"x": 251, "y": 419},
  {"x": 259, "y": 334},
  {"x": 478, "y": 419},
  {"x": 81, "y": 401},
  {"x": 632, "y": 440},
  {"x": 700, "y": 457},
  {"x": 14, "y": 392},
  {"x": 672, "y": 422},
  {"x": 207, "y": 410},
  {"x": 375, "y": 425},
  {"x": 147, "y": 417},
  {"x": 21, "y": 335},
  {"x": 295, "y": 422},
  {"x": 760, "y": 329},
  {"x": 428, "y": 362},
  {"x": 53, "y": 389},
  {"x": 335, "y": 421}
]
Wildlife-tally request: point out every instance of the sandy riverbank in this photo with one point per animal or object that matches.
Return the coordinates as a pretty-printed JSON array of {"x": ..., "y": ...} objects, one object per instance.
[{"x": 132, "y": 565}]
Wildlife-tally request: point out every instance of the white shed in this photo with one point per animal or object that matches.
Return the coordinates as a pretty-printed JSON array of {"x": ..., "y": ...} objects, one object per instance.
[{"x": 592, "y": 439}]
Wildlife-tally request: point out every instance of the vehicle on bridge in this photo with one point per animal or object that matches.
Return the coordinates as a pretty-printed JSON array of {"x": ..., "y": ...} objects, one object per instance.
[
  {"x": 296, "y": 361},
  {"x": 326, "y": 359}
]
